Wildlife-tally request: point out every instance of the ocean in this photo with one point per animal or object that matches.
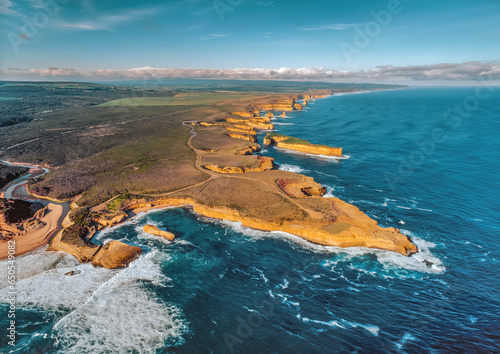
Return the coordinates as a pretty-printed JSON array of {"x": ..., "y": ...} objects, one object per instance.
[{"x": 425, "y": 160}]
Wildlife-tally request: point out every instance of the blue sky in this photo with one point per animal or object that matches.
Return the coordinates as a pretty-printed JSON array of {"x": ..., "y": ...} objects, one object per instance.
[{"x": 83, "y": 36}]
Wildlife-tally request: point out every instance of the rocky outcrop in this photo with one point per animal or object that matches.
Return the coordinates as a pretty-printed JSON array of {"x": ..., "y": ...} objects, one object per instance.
[
  {"x": 110, "y": 219},
  {"x": 115, "y": 254},
  {"x": 312, "y": 149},
  {"x": 301, "y": 187},
  {"x": 283, "y": 115},
  {"x": 248, "y": 150},
  {"x": 264, "y": 164},
  {"x": 247, "y": 137},
  {"x": 277, "y": 105},
  {"x": 295, "y": 144},
  {"x": 349, "y": 228},
  {"x": 257, "y": 123},
  {"x": 154, "y": 230},
  {"x": 297, "y": 106},
  {"x": 244, "y": 127},
  {"x": 249, "y": 130},
  {"x": 244, "y": 114}
]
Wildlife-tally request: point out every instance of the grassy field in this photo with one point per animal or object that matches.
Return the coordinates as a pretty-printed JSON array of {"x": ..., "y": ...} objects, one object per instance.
[{"x": 181, "y": 99}]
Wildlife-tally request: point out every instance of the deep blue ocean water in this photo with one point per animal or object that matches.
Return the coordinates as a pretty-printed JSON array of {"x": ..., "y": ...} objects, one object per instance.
[{"x": 410, "y": 163}]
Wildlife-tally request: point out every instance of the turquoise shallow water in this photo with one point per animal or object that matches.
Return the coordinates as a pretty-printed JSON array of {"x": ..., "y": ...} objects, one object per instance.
[{"x": 223, "y": 288}]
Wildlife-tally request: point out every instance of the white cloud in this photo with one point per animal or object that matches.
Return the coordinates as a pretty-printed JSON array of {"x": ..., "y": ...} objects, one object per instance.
[
  {"x": 84, "y": 26},
  {"x": 36, "y": 73},
  {"x": 6, "y": 7},
  {"x": 451, "y": 72},
  {"x": 213, "y": 36},
  {"x": 333, "y": 26},
  {"x": 106, "y": 22}
]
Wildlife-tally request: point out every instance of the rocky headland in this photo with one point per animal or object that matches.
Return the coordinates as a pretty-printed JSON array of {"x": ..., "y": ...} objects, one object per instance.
[{"x": 301, "y": 145}]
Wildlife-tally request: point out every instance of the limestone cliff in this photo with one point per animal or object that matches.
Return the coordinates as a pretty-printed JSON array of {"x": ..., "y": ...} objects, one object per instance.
[
  {"x": 347, "y": 227},
  {"x": 277, "y": 105},
  {"x": 115, "y": 254},
  {"x": 154, "y": 230},
  {"x": 249, "y": 150},
  {"x": 244, "y": 114},
  {"x": 300, "y": 187},
  {"x": 295, "y": 144},
  {"x": 110, "y": 219},
  {"x": 247, "y": 130},
  {"x": 264, "y": 164},
  {"x": 247, "y": 137}
]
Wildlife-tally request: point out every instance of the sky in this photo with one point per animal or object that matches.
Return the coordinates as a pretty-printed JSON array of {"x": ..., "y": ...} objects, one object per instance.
[{"x": 425, "y": 42}]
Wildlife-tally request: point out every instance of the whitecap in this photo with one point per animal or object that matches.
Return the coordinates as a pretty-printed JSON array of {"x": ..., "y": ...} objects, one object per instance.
[
  {"x": 131, "y": 221},
  {"x": 407, "y": 337},
  {"x": 423, "y": 261},
  {"x": 329, "y": 192},
  {"x": 131, "y": 319},
  {"x": 325, "y": 157},
  {"x": 291, "y": 168},
  {"x": 341, "y": 323},
  {"x": 110, "y": 310}
]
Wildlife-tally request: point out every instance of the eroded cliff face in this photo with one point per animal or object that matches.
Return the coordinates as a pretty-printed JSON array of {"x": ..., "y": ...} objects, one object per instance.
[
  {"x": 312, "y": 149},
  {"x": 115, "y": 254},
  {"x": 247, "y": 137},
  {"x": 338, "y": 224},
  {"x": 300, "y": 187},
  {"x": 244, "y": 114},
  {"x": 256, "y": 123},
  {"x": 291, "y": 143},
  {"x": 286, "y": 105},
  {"x": 154, "y": 230},
  {"x": 264, "y": 164}
]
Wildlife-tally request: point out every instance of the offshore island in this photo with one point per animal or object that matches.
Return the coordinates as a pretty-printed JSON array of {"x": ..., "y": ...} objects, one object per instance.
[{"x": 109, "y": 158}]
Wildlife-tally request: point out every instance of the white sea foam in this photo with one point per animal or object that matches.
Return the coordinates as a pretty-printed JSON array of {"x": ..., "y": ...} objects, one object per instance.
[
  {"x": 132, "y": 221},
  {"x": 291, "y": 168},
  {"x": 329, "y": 192},
  {"x": 143, "y": 235},
  {"x": 280, "y": 123},
  {"x": 110, "y": 310},
  {"x": 131, "y": 319},
  {"x": 407, "y": 337},
  {"x": 341, "y": 323},
  {"x": 323, "y": 157},
  {"x": 422, "y": 261}
]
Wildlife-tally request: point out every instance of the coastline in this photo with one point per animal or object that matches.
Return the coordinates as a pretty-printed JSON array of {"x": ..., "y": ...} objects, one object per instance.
[
  {"x": 54, "y": 217},
  {"x": 360, "y": 232}
]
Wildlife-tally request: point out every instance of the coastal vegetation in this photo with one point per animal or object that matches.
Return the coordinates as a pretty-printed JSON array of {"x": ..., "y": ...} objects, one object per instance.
[{"x": 9, "y": 173}]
